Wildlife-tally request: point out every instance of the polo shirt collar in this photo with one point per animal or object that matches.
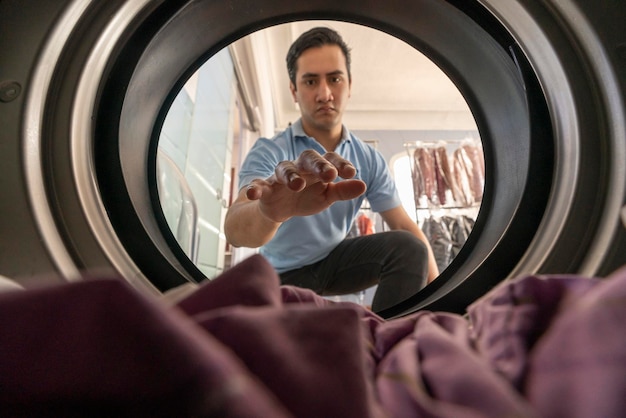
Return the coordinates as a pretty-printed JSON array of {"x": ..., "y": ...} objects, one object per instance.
[{"x": 298, "y": 131}]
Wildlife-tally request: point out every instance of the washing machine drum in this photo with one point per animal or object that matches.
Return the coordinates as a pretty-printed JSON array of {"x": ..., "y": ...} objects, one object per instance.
[{"x": 85, "y": 86}]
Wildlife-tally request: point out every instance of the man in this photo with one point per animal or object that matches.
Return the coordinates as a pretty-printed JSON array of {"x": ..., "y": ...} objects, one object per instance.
[{"x": 303, "y": 188}]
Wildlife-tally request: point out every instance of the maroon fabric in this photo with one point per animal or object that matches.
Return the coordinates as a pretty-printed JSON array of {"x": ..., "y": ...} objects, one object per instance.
[
  {"x": 243, "y": 346},
  {"x": 253, "y": 282},
  {"x": 98, "y": 348},
  {"x": 310, "y": 358},
  {"x": 314, "y": 369}
]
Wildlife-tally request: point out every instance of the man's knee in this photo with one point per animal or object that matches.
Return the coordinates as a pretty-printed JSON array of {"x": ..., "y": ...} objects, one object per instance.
[{"x": 408, "y": 244}]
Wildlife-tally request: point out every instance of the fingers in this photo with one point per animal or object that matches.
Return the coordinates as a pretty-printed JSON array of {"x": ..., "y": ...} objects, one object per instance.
[
  {"x": 312, "y": 163},
  {"x": 253, "y": 190},
  {"x": 345, "y": 190},
  {"x": 327, "y": 167},
  {"x": 287, "y": 173},
  {"x": 345, "y": 169},
  {"x": 311, "y": 167}
]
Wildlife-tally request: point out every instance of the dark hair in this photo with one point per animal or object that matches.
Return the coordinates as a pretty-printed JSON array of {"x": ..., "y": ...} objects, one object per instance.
[{"x": 316, "y": 37}]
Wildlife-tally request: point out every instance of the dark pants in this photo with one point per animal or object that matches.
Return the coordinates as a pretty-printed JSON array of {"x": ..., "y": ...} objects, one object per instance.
[{"x": 395, "y": 260}]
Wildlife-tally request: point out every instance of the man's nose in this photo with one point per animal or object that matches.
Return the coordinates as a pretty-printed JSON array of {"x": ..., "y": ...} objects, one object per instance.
[{"x": 324, "y": 94}]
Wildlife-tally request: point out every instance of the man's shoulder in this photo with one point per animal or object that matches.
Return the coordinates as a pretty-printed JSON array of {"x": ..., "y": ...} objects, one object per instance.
[
  {"x": 284, "y": 136},
  {"x": 281, "y": 138},
  {"x": 270, "y": 150}
]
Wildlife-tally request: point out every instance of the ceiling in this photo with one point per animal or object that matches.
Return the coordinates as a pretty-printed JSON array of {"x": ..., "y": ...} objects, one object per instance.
[{"x": 394, "y": 86}]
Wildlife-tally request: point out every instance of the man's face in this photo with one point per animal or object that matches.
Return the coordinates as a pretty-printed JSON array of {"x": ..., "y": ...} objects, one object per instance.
[{"x": 322, "y": 88}]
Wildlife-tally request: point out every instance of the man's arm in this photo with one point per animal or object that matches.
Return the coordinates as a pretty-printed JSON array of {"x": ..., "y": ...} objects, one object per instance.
[
  {"x": 297, "y": 188},
  {"x": 245, "y": 225},
  {"x": 397, "y": 218}
]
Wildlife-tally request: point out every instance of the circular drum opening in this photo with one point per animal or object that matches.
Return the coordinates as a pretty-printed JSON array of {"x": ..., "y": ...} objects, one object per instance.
[{"x": 410, "y": 112}]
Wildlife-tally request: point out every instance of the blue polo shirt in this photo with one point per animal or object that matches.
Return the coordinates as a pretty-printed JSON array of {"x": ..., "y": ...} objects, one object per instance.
[{"x": 304, "y": 240}]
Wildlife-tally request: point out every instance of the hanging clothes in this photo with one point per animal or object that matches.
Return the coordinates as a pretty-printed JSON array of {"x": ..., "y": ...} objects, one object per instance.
[
  {"x": 448, "y": 177},
  {"x": 460, "y": 227},
  {"x": 438, "y": 236},
  {"x": 424, "y": 175}
]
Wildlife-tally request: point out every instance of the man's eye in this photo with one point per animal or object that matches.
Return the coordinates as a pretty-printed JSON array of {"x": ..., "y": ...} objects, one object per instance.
[
  {"x": 309, "y": 82},
  {"x": 335, "y": 80}
]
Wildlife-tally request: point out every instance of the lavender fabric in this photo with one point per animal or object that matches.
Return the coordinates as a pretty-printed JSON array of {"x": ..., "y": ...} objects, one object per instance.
[
  {"x": 243, "y": 346},
  {"x": 578, "y": 369}
]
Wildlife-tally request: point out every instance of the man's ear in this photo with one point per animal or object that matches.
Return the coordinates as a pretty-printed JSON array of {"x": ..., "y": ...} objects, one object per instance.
[{"x": 292, "y": 88}]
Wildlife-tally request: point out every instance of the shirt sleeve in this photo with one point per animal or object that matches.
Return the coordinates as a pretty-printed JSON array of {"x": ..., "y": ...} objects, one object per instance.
[{"x": 261, "y": 161}]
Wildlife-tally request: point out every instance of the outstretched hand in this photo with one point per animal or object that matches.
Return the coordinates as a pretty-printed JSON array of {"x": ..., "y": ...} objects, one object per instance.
[{"x": 305, "y": 186}]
